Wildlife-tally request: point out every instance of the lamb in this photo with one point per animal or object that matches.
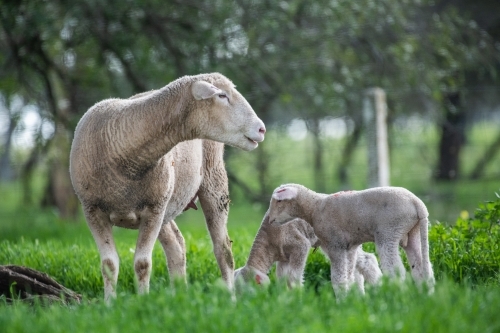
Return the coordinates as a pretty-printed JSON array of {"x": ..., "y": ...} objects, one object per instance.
[
  {"x": 289, "y": 245},
  {"x": 137, "y": 163},
  {"x": 387, "y": 216}
]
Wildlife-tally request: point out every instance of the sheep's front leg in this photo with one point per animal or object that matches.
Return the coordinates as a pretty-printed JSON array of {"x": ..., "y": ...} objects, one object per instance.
[
  {"x": 174, "y": 247},
  {"x": 214, "y": 200},
  {"x": 339, "y": 271},
  {"x": 148, "y": 233},
  {"x": 101, "y": 230},
  {"x": 352, "y": 274}
]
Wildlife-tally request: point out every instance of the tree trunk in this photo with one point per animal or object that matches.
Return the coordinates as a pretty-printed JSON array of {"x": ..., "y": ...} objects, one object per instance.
[
  {"x": 59, "y": 191},
  {"x": 452, "y": 139},
  {"x": 347, "y": 152},
  {"x": 350, "y": 144},
  {"x": 262, "y": 166},
  {"x": 6, "y": 172},
  {"x": 318, "y": 170},
  {"x": 488, "y": 156}
]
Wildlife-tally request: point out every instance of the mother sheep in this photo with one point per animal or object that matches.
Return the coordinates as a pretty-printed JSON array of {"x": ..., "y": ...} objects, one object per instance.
[{"x": 137, "y": 163}]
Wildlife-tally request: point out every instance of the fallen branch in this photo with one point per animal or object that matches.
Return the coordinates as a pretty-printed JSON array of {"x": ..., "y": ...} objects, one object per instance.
[{"x": 26, "y": 284}]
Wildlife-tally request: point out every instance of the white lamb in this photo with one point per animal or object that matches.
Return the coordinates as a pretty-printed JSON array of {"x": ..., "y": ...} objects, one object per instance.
[
  {"x": 138, "y": 163},
  {"x": 388, "y": 216},
  {"x": 288, "y": 245}
]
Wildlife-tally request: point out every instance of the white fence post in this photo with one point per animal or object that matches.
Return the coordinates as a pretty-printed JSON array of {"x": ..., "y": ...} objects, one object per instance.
[{"x": 375, "y": 116}]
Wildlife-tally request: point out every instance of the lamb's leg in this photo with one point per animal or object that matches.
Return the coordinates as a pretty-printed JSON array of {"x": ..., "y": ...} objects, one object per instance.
[
  {"x": 148, "y": 233},
  {"x": 214, "y": 200},
  {"x": 390, "y": 261},
  {"x": 359, "y": 281},
  {"x": 338, "y": 271},
  {"x": 293, "y": 269},
  {"x": 110, "y": 263},
  {"x": 414, "y": 253},
  {"x": 426, "y": 262},
  {"x": 174, "y": 247},
  {"x": 352, "y": 256},
  {"x": 367, "y": 266}
]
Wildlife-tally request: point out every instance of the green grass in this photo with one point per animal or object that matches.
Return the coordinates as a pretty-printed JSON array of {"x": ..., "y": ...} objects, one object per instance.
[
  {"x": 389, "y": 308},
  {"x": 466, "y": 297}
]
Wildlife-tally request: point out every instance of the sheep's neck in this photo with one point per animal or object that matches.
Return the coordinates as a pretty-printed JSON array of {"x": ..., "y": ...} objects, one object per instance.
[
  {"x": 153, "y": 128},
  {"x": 311, "y": 205},
  {"x": 261, "y": 255}
]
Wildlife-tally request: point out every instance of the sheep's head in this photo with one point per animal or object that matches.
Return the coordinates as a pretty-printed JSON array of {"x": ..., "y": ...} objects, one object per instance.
[
  {"x": 283, "y": 207},
  {"x": 247, "y": 274},
  {"x": 226, "y": 116}
]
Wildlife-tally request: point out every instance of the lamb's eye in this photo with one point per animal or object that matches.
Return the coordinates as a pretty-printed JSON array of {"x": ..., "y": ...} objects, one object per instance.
[
  {"x": 222, "y": 96},
  {"x": 279, "y": 200}
]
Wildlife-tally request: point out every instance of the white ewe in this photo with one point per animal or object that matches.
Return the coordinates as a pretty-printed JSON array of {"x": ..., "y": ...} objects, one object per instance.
[{"x": 138, "y": 163}]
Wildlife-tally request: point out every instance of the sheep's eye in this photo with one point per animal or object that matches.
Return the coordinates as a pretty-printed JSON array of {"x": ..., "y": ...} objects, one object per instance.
[
  {"x": 222, "y": 96},
  {"x": 279, "y": 200}
]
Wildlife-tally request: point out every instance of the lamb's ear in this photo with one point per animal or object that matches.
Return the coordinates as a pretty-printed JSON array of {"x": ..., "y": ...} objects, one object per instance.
[
  {"x": 285, "y": 193},
  {"x": 261, "y": 278},
  {"x": 203, "y": 90},
  {"x": 265, "y": 220}
]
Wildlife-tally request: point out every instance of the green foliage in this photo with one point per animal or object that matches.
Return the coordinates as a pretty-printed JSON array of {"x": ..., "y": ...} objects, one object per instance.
[{"x": 469, "y": 250}]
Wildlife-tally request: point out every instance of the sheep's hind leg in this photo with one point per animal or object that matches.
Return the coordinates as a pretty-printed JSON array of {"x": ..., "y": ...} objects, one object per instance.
[
  {"x": 174, "y": 246},
  {"x": 390, "y": 261},
  {"x": 367, "y": 266},
  {"x": 414, "y": 253},
  {"x": 103, "y": 237}
]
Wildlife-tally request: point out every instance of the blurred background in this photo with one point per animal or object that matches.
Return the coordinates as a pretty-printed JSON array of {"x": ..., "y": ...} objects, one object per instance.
[{"x": 305, "y": 67}]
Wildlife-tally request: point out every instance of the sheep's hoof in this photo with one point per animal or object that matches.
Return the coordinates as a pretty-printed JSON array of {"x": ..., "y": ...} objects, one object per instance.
[{"x": 26, "y": 284}]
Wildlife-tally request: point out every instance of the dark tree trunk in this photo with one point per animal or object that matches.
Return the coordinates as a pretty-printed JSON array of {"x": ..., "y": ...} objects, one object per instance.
[
  {"x": 452, "y": 139},
  {"x": 6, "y": 172},
  {"x": 319, "y": 175},
  {"x": 59, "y": 191},
  {"x": 487, "y": 157},
  {"x": 262, "y": 167}
]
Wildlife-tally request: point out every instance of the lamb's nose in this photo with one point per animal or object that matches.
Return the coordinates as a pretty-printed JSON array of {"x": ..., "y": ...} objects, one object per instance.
[{"x": 262, "y": 130}]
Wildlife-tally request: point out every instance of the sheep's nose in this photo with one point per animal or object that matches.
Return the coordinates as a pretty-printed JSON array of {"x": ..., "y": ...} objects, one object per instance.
[{"x": 262, "y": 130}]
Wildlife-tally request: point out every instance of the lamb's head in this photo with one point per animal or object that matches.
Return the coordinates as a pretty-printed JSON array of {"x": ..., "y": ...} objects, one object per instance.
[
  {"x": 225, "y": 115},
  {"x": 283, "y": 207},
  {"x": 249, "y": 274}
]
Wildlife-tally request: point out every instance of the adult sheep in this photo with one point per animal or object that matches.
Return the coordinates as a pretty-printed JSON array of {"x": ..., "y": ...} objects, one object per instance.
[
  {"x": 137, "y": 163},
  {"x": 387, "y": 216}
]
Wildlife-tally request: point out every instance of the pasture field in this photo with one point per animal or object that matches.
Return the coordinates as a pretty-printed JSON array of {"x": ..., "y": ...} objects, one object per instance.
[
  {"x": 464, "y": 243},
  {"x": 465, "y": 255}
]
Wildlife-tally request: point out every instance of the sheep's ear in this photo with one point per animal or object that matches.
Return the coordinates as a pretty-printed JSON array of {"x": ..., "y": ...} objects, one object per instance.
[
  {"x": 285, "y": 193},
  {"x": 265, "y": 220},
  {"x": 261, "y": 278},
  {"x": 203, "y": 90}
]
